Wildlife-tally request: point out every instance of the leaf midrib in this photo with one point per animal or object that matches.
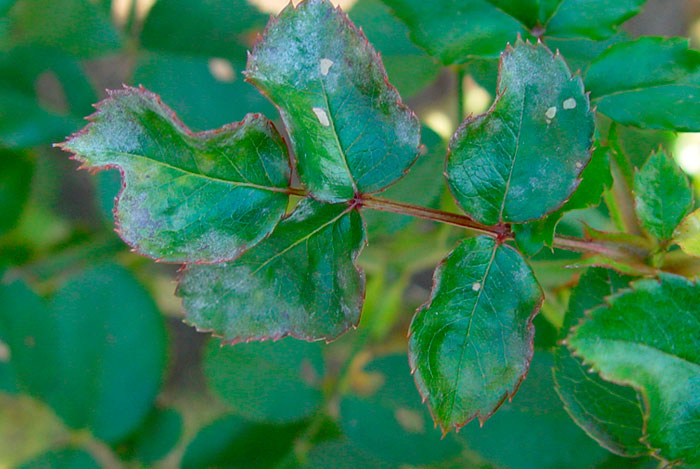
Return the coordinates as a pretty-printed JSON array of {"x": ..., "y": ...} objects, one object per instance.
[{"x": 198, "y": 175}]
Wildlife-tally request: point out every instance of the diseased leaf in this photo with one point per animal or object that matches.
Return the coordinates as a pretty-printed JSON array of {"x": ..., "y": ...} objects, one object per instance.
[
  {"x": 349, "y": 129},
  {"x": 687, "y": 235},
  {"x": 647, "y": 337},
  {"x": 658, "y": 88},
  {"x": 597, "y": 177},
  {"x": 233, "y": 443},
  {"x": 101, "y": 346},
  {"x": 186, "y": 197},
  {"x": 609, "y": 413},
  {"x": 663, "y": 196},
  {"x": 523, "y": 158},
  {"x": 533, "y": 431},
  {"x": 15, "y": 176},
  {"x": 266, "y": 382},
  {"x": 393, "y": 409},
  {"x": 471, "y": 344},
  {"x": 301, "y": 281},
  {"x": 213, "y": 28},
  {"x": 456, "y": 32},
  {"x": 409, "y": 68}
]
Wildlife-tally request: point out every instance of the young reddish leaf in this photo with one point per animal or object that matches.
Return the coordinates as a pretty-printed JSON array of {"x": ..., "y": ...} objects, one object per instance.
[
  {"x": 647, "y": 337},
  {"x": 349, "y": 129},
  {"x": 470, "y": 346},
  {"x": 186, "y": 197},
  {"x": 658, "y": 89},
  {"x": 301, "y": 281},
  {"x": 609, "y": 413},
  {"x": 663, "y": 196},
  {"x": 523, "y": 158}
]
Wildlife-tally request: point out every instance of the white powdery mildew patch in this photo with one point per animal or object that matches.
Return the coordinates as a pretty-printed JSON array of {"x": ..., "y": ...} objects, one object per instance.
[
  {"x": 326, "y": 65},
  {"x": 322, "y": 116},
  {"x": 569, "y": 104},
  {"x": 476, "y": 286},
  {"x": 550, "y": 114}
]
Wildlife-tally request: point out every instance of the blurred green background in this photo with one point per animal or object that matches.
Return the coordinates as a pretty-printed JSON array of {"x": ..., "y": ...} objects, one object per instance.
[{"x": 97, "y": 368}]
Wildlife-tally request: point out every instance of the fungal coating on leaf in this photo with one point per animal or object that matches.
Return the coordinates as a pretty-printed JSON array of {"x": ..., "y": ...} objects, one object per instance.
[
  {"x": 367, "y": 138},
  {"x": 523, "y": 158},
  {"x": 186, "y": 197}
]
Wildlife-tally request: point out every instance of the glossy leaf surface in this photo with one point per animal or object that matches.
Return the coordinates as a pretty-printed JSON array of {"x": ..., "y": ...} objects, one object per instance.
[
  {"x": 523, "y": 158},
  {"x": 275, "y": 382},
  {"x": 186, "y": 197},
  {"x": 349, "y": 130},
  {"x": 393, "y": 409},
  {"x": 658, "y": 88},
  {"x": 471, "y": 344},
  {"x": 663, "y": 196},
  {"x": 646, "y": 337},
  {"x": 609, "y": 413},
  {"x": 301, "y": 281},
  {"x": 101, "y": 344}
]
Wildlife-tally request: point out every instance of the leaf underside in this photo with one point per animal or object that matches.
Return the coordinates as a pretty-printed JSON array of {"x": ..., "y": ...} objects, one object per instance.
[
  {"x": 522, "y": 159},
  {"x": 301, "y": 281},
  {"x": 186, "y": 197},
  {"x": 647, "y": 337},
  {"x": 348, "y": 127},
  {"x": 471, "y": 344}
]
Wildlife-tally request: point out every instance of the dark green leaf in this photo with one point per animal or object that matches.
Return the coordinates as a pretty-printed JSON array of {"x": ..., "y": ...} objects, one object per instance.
[
  {"x": 233, "y": 443},
  {"x": 647, "y": 337},
  {"x": 101, "y": 346},
  {"x": 538, "y": 134},
  {"x": 265, "y": 381},
  {"x": 594, "y": 180},
  {"x": 471, "y": 344},
  {"x": 197, "y": 96},
  {"x": 609, "y": 413},
  {"x": 409, "y": 68},
  {"x": 658, "y": 88},
  {"x": 301, "y": 281},
  {"x": 594, "y": 19},
  {"x": 394, "y": 411},
  {"x": 453, "y": 31},
  {"x": 215, "y": 28},
  {"x": 348, "y": 127},
  {"x": 15, "y": 176},
  {"x": 187, "y": 197},
  {"x": 155, "y": 438},
  {"x": 424, "y": 174},
  {"x": 663, "y": 196},
  {"x": 77, "y": 27},
  {"x": 342, "y": 455},
  {"x": 534, "y": 431},
  {"x": 63, "y": 459}
]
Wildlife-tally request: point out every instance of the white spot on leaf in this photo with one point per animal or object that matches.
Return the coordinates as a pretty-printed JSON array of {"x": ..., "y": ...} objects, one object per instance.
[
  {"x": 326, "y": 65},
  {"x": 569, "y": 103},
  {"x": 322, "y": 116},
  {"x": 550, "y": 114},
  {"x": 579, "y": 165},
  {"x": 476, "y": 286}
]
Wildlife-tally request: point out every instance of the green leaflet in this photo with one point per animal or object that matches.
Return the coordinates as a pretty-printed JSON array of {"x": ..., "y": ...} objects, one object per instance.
[
  {"x": 687, "y": 235},
  {"x": 471, "y": 344},
  {"x": 186, "y": 197},
  {"x": 658, "y": 88},
  {"x": 456, "y": 32},
  {"x": 213, "y": 28},
  {"x": 267, "y": 382},
  {"x": 95, "y": 354},
  {"x": 647, "y": 337},
  {"x": 154, "y": 439},
  {"x": 663, "y": 196},
  {"x": 67, "y": 458},
  {"x": 609, "y": 413},
  {"x": 301, "y": 281},
  {"x": 349, "y": 129},
  {"x": 597, "y": 177},
  {"x": 523, "y": 158}
]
